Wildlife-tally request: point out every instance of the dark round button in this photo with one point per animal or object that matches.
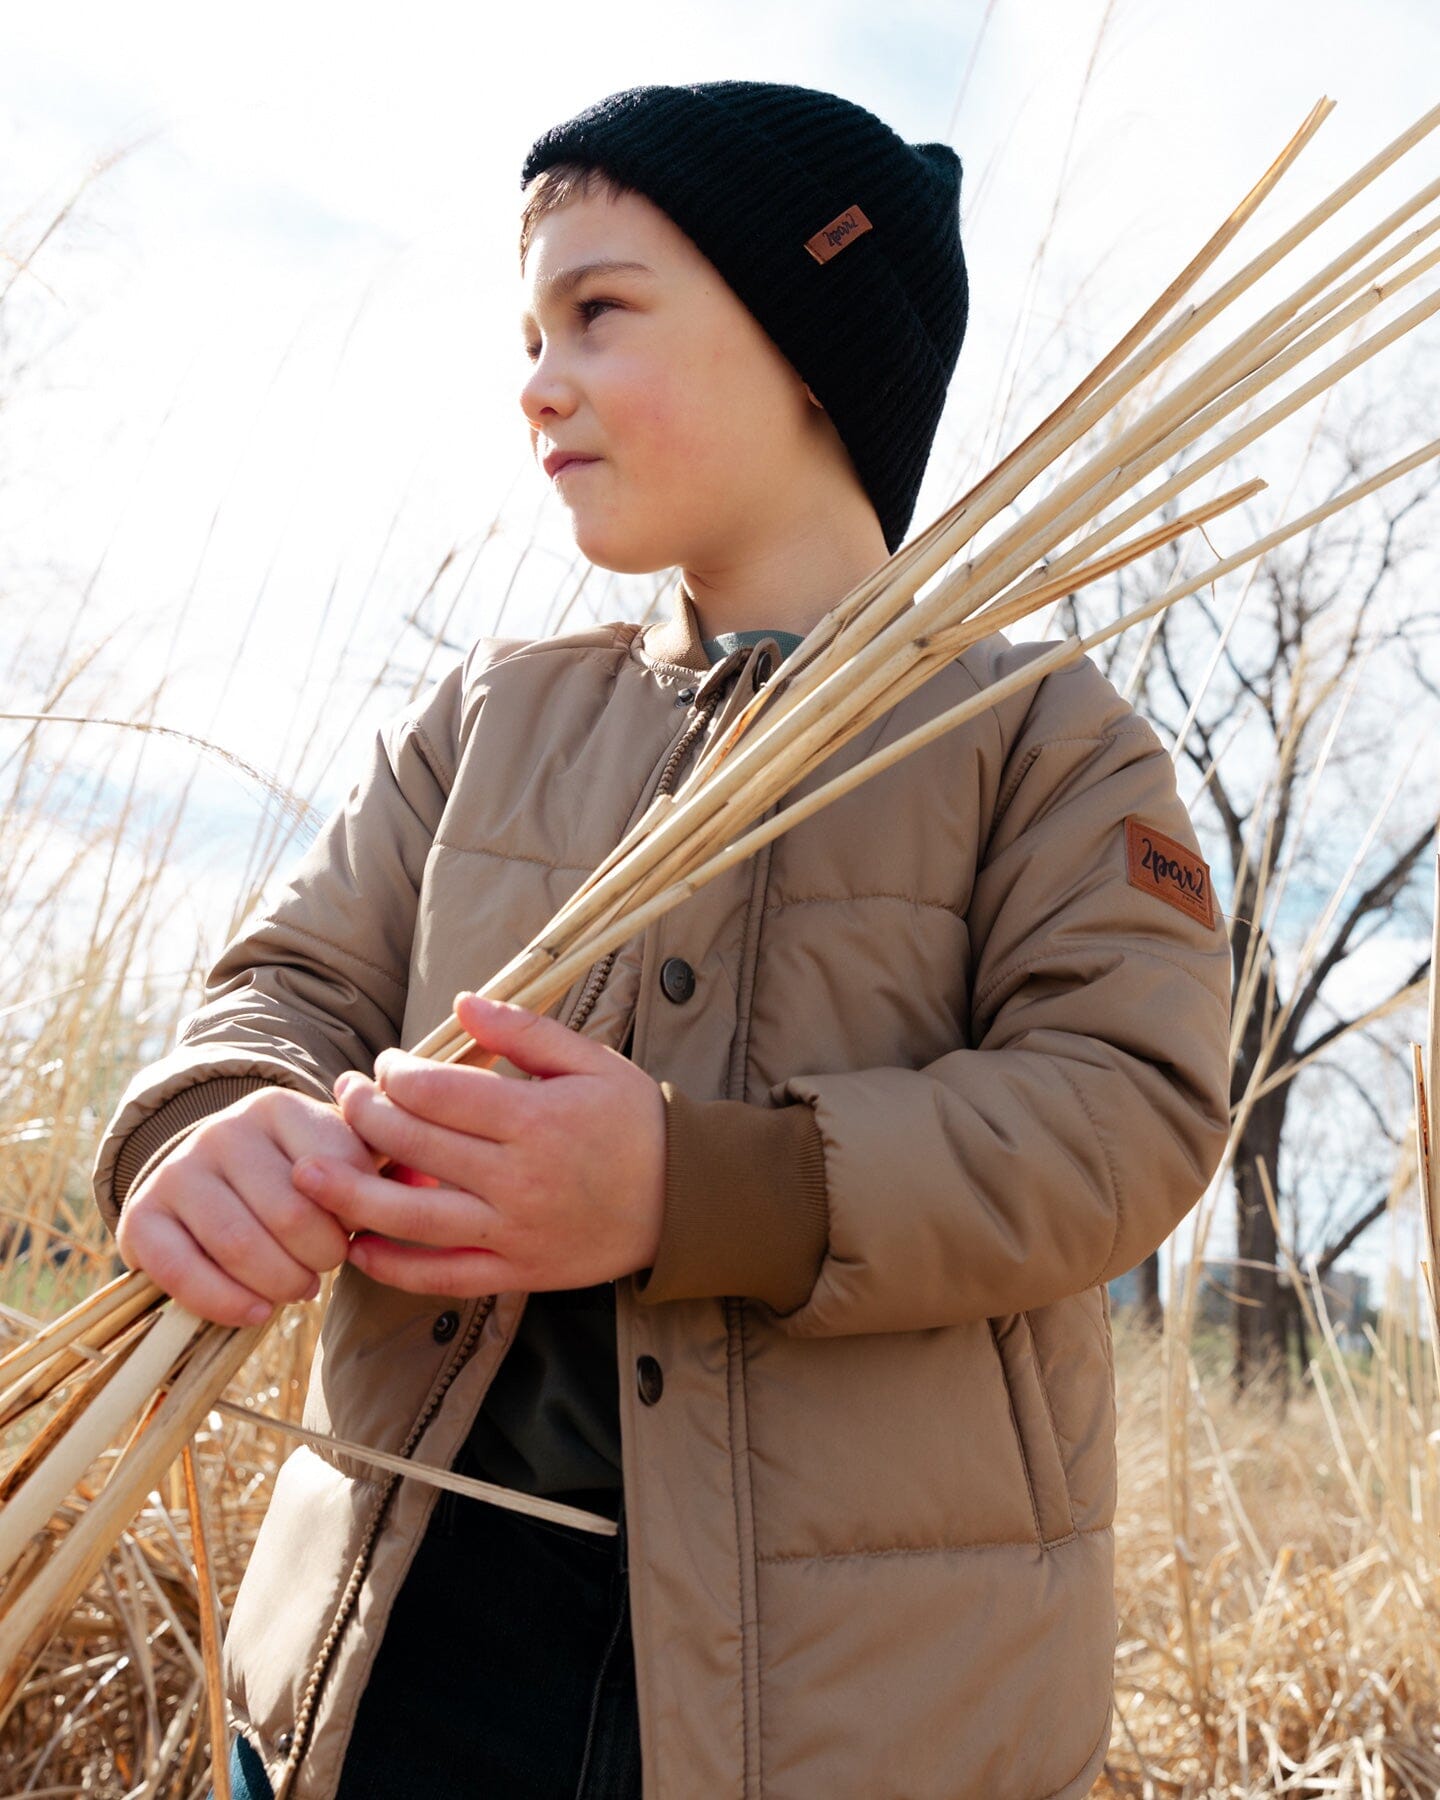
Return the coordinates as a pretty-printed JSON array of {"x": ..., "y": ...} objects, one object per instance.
[
  {"x": 764, "y": 665},
  {"x": 284, "y": 1742},
  {"x": 649, "y": 1379},
  {"x": 685, "y": 695},
  {"x": 677, "y": 978},
  {"x": 445, "y": 1327}
]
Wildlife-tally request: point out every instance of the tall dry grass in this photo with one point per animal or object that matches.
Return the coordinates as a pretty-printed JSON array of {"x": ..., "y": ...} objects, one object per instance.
[{"x": 1279, "y": 1580}]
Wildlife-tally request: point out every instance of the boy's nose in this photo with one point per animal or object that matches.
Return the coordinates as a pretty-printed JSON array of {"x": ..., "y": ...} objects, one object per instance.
[{"x": 545, "y": 396}]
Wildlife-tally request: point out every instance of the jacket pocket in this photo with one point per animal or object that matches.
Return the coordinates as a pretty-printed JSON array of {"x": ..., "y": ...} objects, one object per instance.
[{"x": 1034, "y": 1427}]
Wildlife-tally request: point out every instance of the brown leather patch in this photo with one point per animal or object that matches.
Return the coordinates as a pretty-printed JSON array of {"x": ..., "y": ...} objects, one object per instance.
[
  {"x": 831, "y": 239},
  {"x": 1157, "y": 865}
]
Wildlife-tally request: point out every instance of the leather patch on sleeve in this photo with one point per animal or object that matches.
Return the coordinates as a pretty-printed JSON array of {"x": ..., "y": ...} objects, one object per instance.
[
  {"x": 831, "y": 239},
  {"x": 1157, "y": 865}
]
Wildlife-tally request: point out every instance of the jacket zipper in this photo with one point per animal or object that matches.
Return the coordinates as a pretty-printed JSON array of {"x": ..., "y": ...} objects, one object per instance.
[
  {"x": 305, "y": 1712},
  {"x": 736, "y": 1388},
  {"x": 599, "y": 974}
]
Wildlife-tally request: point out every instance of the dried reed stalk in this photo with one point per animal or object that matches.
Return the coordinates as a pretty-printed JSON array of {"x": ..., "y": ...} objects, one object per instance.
[
  {"x": 63, "y": 1331},
  {"x": 212, "y": 1356},
  {"x": 128, "y": 1304},
  {"x": 1427, "y": 1091},
  {"x": 210, "y": 1629},
  {"x": 876, "y": 646}
]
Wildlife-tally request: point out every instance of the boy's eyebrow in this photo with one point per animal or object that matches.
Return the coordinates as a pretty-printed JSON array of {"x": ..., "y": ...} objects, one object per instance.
[{"x": 565, "y": 280}]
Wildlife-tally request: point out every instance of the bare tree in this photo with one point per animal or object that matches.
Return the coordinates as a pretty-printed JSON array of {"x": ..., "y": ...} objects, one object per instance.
[{"x": 1294, "y": 711}]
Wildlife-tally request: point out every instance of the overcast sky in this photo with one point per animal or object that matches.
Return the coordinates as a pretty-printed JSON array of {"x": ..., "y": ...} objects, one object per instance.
[
  {"x": 264, "y": 378},
  {"x": 275, "y": 353}
]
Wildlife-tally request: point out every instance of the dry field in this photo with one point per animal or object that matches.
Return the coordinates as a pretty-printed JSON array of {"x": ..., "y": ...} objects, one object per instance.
[{"x": 1277, "y": 1583}]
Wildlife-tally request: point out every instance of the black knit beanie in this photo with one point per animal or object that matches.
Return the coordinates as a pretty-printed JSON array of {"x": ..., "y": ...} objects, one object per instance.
[{"x": 840, "y": 237}]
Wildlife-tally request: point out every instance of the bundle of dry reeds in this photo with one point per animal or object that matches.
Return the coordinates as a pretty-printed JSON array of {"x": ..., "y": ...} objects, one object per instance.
[{"x": 127, "y": 1358}]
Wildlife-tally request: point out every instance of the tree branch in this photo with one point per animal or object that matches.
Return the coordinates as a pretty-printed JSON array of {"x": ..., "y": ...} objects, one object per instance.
[{"x": 1380, "y": 893}]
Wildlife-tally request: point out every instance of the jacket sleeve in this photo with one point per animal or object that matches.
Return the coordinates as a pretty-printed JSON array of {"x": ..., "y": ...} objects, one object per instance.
[
  {"x": 317, "y": 984},
  {"x": 1083, "y": 1118}
]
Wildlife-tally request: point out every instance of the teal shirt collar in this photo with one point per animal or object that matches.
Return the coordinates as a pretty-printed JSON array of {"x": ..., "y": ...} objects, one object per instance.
[{"x": 727, "y": 641}]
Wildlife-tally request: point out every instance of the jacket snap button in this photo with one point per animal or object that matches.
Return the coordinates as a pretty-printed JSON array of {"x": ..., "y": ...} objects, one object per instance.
[
  {"x": 764, "y": 663},
  {"x": 649, "y": 1379},
  {"x": 445, "y": 1327},
  {"x": 685, "y": 695},
  {"x": 677, "y": 978},
  {"x": 284, "y": 1742}
]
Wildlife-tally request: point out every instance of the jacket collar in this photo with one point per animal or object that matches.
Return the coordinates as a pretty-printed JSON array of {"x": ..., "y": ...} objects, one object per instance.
[{"x": 677, "y": 640}]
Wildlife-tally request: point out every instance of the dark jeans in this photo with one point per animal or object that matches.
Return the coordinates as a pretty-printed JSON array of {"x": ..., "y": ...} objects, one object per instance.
[{"x": 506, "y": 1669}]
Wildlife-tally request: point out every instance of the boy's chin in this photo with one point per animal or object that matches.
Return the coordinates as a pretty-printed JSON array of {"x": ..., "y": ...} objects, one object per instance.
[{"x": 624, "y": 553}]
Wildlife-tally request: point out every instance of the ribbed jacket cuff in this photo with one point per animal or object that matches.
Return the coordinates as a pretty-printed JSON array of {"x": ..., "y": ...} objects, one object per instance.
[
  {"x": 159, "y": 1133},
  {"x": 745, "y": 1203}
]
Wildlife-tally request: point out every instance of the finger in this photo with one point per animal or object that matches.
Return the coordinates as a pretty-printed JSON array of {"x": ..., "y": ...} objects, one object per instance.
[
  {"x": 444, "y": 1217},
  {"x": 531, "y": 1041},
  {"x": 318, "y": 1128},
  {"x": 476, "y": 1101},
  {"x": 159, "y": 1244},
  {"x": 262, "y": 1174},
  {"x": 473, "y": 1164},
  {"x": 422, "y": 1271},
  {"x": 230, "y": 1235}
]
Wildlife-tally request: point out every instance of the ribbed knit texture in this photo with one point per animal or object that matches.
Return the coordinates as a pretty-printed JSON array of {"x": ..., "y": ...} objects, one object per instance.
[
  {"x": 749, "y": 170},
  {"x": 174, "y": 1120},
  {"x": 746, "y": 1209}
]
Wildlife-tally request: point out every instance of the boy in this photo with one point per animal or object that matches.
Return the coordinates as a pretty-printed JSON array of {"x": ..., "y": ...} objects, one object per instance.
[{"x": 789, "y": 1260}]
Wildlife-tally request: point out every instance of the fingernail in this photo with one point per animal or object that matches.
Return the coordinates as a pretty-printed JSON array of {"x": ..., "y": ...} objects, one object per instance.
[
  {"x": 342, "y": 1082},
  {"x": 258, "y": 1313},
  {"x": 306, "y": 1174}
]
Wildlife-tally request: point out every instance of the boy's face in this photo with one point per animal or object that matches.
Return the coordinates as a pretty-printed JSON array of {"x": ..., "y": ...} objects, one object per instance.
[{"x": 709, "y": 448}]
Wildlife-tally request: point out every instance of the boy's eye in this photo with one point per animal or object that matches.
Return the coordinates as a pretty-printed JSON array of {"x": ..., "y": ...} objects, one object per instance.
[{"x": 584, "y": 309}]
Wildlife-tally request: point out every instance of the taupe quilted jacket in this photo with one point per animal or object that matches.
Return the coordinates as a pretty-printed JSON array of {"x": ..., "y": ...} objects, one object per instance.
[{"x": 955, "y": 1056}]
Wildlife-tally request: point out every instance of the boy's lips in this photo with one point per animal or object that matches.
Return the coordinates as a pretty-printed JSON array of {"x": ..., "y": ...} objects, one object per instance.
[{"x": 559, "y": 460}]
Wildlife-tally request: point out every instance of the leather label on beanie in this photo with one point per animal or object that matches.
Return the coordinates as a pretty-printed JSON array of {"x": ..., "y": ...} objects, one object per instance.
[
  {"x": 831, "y": 239},
  {"x": 1157, "y": 865}
]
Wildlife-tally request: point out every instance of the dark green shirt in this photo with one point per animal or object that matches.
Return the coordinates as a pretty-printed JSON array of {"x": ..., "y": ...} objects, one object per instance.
[{"x": 550, "y": 1423}]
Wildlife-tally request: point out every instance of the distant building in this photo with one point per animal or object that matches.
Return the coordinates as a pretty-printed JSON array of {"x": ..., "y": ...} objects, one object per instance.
[
  {"x": 1347, "y": 1299},
  {"x": 1215, "y": 1300},
  {"x": 1213, "y": 1305},
  {"x": 1346, "y": 1291}
]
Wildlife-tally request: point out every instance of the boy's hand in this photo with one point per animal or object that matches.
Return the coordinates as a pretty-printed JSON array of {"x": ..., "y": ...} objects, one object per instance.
[
  {"x": 554, "y": 1183},
  {"x": 220, "y": 1225}
]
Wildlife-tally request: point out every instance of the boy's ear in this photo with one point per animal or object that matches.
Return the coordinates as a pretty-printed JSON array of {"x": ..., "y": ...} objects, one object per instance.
[{"x": 812, "y": 396}]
